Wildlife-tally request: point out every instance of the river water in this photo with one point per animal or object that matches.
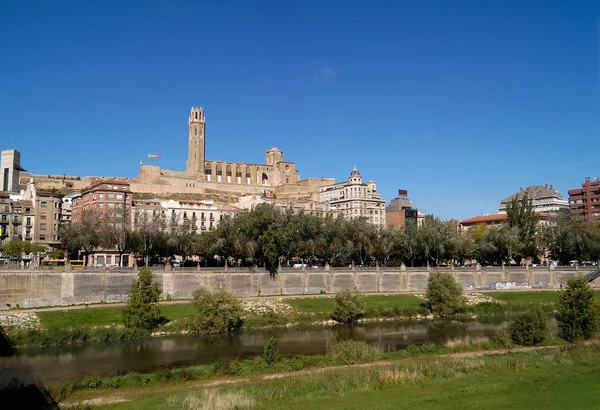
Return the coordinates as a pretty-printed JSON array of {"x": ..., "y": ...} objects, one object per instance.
[{"x": 70, "y": 363}]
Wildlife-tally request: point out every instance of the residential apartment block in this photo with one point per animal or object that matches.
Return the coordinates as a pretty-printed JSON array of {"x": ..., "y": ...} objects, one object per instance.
[
  {"x": 544, "y": 199},
  {"x": 112, "y": 197},
  {"x": 586, "y": 200},
  {"x": 355, "y": 199}
]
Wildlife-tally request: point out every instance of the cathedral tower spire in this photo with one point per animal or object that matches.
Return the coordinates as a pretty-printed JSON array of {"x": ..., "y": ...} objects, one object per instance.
[{"x": 196, "y": 141}]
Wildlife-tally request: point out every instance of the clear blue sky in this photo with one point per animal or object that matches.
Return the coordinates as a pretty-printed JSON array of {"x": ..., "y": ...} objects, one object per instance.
[{"x": 459, "y": 102}]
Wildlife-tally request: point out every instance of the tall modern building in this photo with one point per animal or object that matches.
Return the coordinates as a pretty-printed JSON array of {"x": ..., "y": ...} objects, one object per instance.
[
  {"x": 544, "y": 199},
  {"x": 400, "y": 210},
  {"x": 10, "y": 166},
  {"x": 586, "y": 200}
]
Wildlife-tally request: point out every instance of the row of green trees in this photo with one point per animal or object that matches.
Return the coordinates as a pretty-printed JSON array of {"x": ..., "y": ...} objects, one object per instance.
[{"x": 270, "y": 237}]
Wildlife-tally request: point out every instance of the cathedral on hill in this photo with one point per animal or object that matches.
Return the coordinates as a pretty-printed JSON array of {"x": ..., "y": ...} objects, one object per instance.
[{"x": 201, "y": 172}]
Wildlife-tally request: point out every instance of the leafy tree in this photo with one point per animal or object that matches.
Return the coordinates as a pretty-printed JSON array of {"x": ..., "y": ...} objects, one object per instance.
[
  {"x": 57, "y": 254},
  {"x": 444, "y": 295},
  {"x": 577, "y": 315},
  {"x": 530, "y": 328},
  {"x": 149, "y": 229},
  {"x": 349, "y": 306},
  {"x": 521, "y": 216},
  {"x": 115, "y": 233},
  {"x": 142, "y": 310},
  {"x": 218, "y": 312},
  {"x": 19, "y": 248}
]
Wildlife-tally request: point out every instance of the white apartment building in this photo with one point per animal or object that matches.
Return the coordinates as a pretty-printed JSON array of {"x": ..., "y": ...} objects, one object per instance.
[
  {"x": 544, "y": 199},
  {"x": 355, "y": 199}
]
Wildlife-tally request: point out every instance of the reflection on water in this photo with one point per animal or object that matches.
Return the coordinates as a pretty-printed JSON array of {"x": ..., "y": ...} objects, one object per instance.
[{"x": 64, "y": 363}]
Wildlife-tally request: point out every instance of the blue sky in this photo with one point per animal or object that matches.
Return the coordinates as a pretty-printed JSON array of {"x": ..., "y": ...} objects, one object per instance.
[{"x": 459, "y": 102}]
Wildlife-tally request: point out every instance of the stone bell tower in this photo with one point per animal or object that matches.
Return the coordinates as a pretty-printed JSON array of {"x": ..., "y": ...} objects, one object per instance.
[{"x": 196, "y": 142}]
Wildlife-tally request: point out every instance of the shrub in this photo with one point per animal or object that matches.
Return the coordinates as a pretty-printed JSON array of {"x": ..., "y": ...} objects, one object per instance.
[
  {"x": 352, "y": 351},
  {"x": 349, "y": 306},
  {"x": 530, "y": 328},
  {"x": 444, "y": 295},
  {"x": 577, "y": 314},
  {"x": 270, "y": 352},
  {"x": 502, "y": 338},
  {"x": 142, "y": 310},
  {"x": 219, "y": 312}
]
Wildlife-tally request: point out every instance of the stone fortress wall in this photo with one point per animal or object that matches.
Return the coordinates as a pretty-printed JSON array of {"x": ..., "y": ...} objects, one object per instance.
[{"x": 55, "y": 288}]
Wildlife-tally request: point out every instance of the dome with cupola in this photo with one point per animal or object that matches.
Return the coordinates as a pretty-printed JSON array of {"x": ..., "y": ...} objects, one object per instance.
[{"x": 355, "y": 177}]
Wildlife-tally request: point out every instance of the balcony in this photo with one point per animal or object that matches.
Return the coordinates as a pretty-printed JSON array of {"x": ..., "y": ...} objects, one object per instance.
[{"x": 16, "y": 221}]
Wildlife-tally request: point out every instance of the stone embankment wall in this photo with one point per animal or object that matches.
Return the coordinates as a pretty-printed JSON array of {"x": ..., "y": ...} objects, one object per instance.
[{"x": 49, "y": 288}]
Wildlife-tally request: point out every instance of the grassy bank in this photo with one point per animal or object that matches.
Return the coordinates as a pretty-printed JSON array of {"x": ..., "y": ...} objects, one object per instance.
[
  {"x": 564, "y": 377},
  {"x": 338, "y": 354},
  {"x": 105, "y": 324}
]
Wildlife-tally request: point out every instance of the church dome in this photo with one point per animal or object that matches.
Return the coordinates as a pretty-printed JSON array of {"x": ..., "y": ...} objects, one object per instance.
[{"x": 355, "y": 173}]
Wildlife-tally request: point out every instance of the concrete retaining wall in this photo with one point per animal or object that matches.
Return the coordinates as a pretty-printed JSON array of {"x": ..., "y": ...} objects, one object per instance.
[{"x": 48, "y": 288}]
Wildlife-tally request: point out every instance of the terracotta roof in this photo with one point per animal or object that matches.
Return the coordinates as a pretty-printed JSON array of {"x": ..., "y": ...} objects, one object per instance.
[
  {"x": 488, "y": 219},
  {"x": 227, "y": 208},
  {"x": 26, "y": 203},
  {"x": 485, "y": 219},
  {"x": 4, "y": 194}
]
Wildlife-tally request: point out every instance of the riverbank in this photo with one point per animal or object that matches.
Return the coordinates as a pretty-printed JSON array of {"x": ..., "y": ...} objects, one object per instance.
[
  {"x": 83, "y": 325},
  {"x": 458, "y": 371}
]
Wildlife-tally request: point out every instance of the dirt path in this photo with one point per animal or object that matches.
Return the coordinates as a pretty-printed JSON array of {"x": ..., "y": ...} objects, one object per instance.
[{"x": 144, "y": 392}]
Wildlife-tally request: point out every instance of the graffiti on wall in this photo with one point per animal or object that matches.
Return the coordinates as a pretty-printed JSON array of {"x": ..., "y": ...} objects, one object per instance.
[
  {"x": 511, "y": 285},
  {"x": 117, "y": 298}
]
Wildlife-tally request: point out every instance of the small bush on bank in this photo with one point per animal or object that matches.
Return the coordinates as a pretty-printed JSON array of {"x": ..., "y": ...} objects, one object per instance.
[
  {"x": 270, "y": 351},
  {"x": 349, "y": 306},
  {"x": 577, "y": 314},
  {"x": 351, "y": 352},
  {"x": 502, "y": 338},
  {"x": 219, "y": 312},
  {"x": 530, "y": 328},
  {"x": 444, "y": 295}
]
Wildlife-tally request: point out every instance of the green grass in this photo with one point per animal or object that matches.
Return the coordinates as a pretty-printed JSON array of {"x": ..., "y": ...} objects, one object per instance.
[
  {"x": 105, "y": 316},
  {"x": 551, "y": 379},
  {"x": 526, "y": 297},
  {"x": 325, "y": 305}
]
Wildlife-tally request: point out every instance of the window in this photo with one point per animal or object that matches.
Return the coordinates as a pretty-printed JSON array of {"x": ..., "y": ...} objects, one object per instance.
[
  {"x": 111, "y": 206},
  {"x": 119, "y": 196},
  {"x": 56, "y": 216},
  {"x": 108, "y": 260},
  {"x": 100, "y": 205},
  {"x": 117, "y": 260},
  {"x": 111, "y": 196},
  {"x": 100, "y": 260},
  {"x": 43, "y": 226},
  {"x": 27, "y": 209},
  {"x": 28, "y": 221},
  {"x": 42, "y": 237},
  {"x": 55, "y": 227},
  {"x": 43, "y": 216},
  {"x": 44, "y": 204},
  {"x": 101, "y": 196}
]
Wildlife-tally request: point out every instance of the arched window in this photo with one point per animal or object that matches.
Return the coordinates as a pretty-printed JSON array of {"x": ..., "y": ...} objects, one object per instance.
[
  {"x": 207, "y": 169},
  {"x": 238, "y": 172},
  {"x": 247, "y": 172},
  {"x": 265, "y": 179},
  {"x": 228, "y": 170},
  {"x": 219, "y": 170}
]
